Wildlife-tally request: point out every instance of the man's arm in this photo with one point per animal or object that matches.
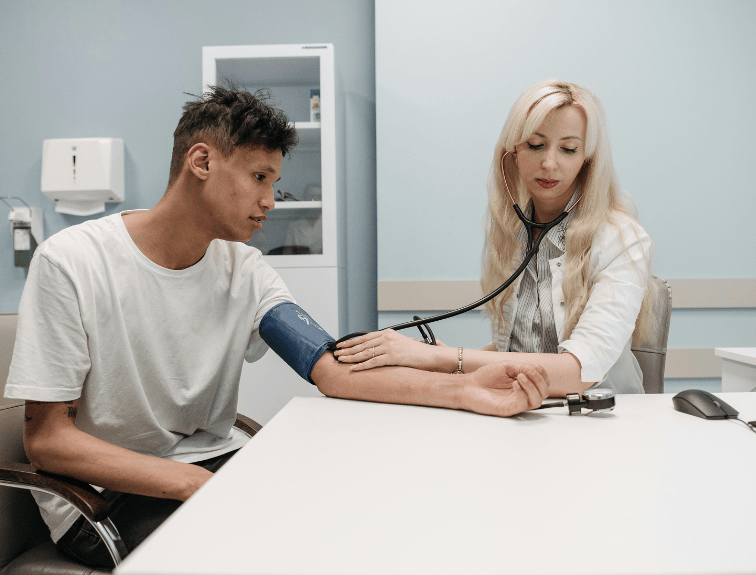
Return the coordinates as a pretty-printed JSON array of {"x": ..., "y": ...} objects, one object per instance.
[
  {"x": 392, "y": 348},
  {"x": 501, "y": 389},
  {"x": 54, "y": 444}
]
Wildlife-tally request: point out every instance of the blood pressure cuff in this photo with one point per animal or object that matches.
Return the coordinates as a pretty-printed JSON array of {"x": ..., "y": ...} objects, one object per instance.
[{"x": 295, "y": 337}]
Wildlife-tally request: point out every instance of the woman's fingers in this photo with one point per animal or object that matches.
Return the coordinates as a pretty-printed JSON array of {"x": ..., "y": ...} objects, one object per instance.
[
  {"x": 536, "y": 375},
  {"x": 533, "y": 383},
  {"x": 529, "y": 389},
  {"x": 373, "y": 359},
  {"x": 359, "y": 340},
  {"x": 369, "y": 364},
  {"x": 357, "y": 354},
  {"x": 541, "y": 380},
  {"x": 359, "y": 351}
]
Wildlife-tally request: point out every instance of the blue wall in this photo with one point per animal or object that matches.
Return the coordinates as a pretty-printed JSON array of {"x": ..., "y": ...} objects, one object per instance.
[{"x": 110, "y": 68}]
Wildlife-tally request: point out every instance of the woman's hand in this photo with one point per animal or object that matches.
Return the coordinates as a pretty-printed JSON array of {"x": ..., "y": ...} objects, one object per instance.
[
  {"x": 385, "y": 347},
  {"x": 505, "y": 389}
]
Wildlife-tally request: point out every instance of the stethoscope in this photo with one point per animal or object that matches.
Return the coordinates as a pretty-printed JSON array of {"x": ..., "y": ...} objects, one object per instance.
[
  {"x": 598, "y": 400},
  {"x": 533, "y": 245}
]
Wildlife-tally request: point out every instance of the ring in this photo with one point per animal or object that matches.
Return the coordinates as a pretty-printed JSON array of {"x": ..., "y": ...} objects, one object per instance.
[{"x": 373, "y": 352}]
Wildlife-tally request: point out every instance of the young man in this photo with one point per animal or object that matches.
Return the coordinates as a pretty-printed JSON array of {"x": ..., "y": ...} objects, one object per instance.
[{"x": 132, "y": 331}]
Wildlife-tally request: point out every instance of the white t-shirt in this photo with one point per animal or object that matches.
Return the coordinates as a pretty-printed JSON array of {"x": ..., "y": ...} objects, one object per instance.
[{"x": 154, "y": 355}]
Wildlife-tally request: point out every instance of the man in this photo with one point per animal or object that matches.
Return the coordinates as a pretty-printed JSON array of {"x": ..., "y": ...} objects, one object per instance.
[{"x": 132, "y": 330}]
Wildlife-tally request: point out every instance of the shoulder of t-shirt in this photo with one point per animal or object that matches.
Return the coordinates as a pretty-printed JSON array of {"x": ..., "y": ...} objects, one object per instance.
[
  {"x": 238, "y": 251},
  {"x": 241, "y": 257},
  {"x": 80, "y": 241},
  {"x": 246, "y": 263}
]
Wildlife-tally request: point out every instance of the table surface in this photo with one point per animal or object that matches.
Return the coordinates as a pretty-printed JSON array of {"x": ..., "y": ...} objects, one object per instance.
[
  {"x": 741, "y": 354},
  {"x": 334, "y": 486}
]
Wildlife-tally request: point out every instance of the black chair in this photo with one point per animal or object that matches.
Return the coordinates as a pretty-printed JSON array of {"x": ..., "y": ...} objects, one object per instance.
[{"x": 25, "y": 544}]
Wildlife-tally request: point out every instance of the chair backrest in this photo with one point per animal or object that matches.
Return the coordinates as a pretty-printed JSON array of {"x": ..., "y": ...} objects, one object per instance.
[
  {"x": 8, "y": 322},
  {"x": 652, "y": 355},
  {"x": 21, "y": 526}
]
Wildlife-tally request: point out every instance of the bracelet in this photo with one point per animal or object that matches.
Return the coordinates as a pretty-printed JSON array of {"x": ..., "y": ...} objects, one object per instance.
[{"x": 459, "y": 365}]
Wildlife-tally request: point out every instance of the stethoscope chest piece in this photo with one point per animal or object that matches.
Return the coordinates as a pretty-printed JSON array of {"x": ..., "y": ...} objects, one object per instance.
[{"x": 597, "y": 400}]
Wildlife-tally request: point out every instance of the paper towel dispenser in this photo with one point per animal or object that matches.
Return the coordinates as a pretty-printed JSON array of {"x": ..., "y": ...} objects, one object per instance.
[{"x": 81, "y": 174}]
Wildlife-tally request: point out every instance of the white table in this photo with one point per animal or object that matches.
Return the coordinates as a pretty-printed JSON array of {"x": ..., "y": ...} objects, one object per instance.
[
  {"x": 738, "y": 368},
  {"x": 401, "y": 489}
]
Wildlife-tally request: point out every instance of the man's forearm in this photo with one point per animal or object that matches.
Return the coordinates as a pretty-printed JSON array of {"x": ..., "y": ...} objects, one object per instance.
[
  {"x": 57, "y": 446},
  {"x": 501, "y": 389},
  {"x": 388, "y": 384}
]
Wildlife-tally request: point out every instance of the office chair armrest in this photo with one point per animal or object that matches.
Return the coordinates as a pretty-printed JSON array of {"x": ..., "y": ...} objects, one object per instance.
[
  {"x": 79, "y": 494},
  {"x": 247, "y": 425}
]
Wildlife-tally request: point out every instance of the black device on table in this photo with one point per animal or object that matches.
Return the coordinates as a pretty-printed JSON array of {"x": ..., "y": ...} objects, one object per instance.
[{"x": 707, "y": 406}]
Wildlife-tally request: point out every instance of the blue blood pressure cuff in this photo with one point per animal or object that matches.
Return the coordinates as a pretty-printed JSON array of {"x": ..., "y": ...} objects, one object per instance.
[{"x": 295, "y": 337}]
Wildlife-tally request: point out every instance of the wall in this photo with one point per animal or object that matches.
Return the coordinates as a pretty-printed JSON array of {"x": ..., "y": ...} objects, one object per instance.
[
  {"x": 81, "y": 68},
  {"x": 676, "y": 79}
]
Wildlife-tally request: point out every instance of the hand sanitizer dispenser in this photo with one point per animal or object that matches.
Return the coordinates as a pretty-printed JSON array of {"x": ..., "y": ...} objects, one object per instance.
[
  {"x": 26, "y": 225},
  {"x": 81, "y": 174}
]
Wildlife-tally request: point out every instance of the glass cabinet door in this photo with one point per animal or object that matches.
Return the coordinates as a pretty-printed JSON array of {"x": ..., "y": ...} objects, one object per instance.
[{"x": 295, "y": 226}]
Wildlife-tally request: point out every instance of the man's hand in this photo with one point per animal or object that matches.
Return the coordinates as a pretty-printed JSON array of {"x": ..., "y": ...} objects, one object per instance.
[{"x": 505, "y": 389}]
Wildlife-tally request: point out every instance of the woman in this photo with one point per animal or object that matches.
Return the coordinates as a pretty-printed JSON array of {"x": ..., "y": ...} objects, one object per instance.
[{"x": 580, "y": 301}]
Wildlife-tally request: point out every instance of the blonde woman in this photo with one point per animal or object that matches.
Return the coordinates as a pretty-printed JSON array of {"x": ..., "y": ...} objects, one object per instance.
[{"x": 584, "y": 296}]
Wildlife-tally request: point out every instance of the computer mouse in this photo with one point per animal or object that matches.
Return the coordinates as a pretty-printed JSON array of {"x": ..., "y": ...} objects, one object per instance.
[{"x": 702, "y": 404}]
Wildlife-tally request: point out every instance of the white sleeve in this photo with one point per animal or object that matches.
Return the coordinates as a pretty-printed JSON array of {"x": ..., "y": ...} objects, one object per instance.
[
  {"x": 622, "y": 261},
  {"x": 272, "y": 291},
  {"x": 51, "y": 353}
]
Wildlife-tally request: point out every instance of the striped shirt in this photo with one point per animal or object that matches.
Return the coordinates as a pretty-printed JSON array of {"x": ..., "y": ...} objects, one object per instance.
[{"x": 534, "y": 330}]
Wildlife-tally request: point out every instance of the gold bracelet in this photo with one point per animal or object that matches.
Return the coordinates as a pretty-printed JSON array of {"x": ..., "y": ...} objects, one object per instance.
[{"x": 459, "y": 365}]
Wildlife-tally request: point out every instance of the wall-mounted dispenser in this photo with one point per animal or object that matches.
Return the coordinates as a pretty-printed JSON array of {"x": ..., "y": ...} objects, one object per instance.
[
  {"x": 81, "y": 174},
  {"x": 26, "y": 227}
]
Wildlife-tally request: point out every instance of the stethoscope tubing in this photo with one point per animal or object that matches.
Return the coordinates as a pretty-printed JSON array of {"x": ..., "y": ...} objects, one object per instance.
[
  {"x": 534, "y": 244},
  {"x": 529, "y": 225},
  {"x": 528, "y": 256}
]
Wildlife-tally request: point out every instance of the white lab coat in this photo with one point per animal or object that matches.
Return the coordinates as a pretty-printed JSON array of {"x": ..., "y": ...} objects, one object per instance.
[{"x": 622, "y": 260}]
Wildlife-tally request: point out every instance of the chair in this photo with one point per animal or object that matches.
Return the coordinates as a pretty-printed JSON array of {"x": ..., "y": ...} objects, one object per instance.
[
  {"x": 25, "y": 544},
  {"x": 652, "y": 354}
]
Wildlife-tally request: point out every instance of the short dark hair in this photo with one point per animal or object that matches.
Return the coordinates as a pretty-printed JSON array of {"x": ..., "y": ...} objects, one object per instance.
[{"x": 230, "y": 118}]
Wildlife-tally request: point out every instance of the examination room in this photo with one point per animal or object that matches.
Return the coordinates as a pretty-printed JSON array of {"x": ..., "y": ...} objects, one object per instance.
[{"x": 378, "y": 287}]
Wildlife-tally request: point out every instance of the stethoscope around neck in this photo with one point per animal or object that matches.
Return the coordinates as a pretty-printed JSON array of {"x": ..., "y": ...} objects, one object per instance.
[{"x": 533, "y": 245}]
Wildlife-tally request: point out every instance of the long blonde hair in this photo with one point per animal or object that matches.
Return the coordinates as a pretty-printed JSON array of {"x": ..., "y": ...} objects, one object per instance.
[{"x": 601, "y": 202}]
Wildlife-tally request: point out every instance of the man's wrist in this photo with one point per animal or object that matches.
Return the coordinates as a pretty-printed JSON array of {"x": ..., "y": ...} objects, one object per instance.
[
  {"x": 465, "y": 387},
  {"x": 454, "y": 386},
  {"x": 195, "y": 478}
]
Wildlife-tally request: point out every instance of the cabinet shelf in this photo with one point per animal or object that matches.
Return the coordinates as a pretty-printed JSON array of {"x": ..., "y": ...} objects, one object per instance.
[
  {"x": 293, "y": 205},
  {"x": 309, "y": 136},
  {"x": 233, "y": 62}
]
